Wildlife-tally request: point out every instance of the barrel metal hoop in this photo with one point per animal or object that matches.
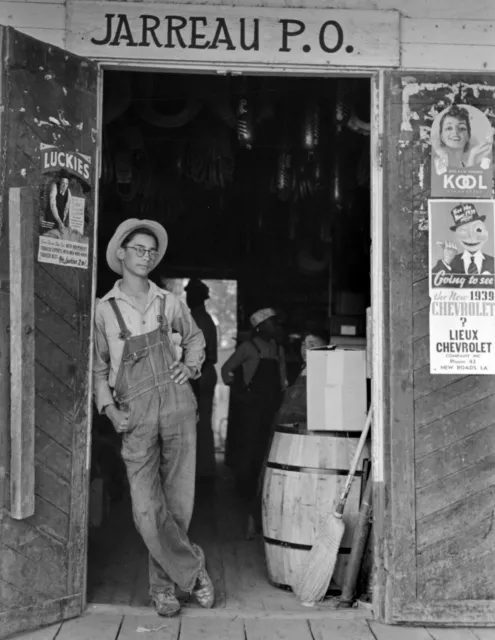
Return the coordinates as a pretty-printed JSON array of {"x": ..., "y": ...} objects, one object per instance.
[
  {"x": 301, "y": 547},
  {"x": 330, "y": 593},
  {"x": 297, "y": 430},
  {"x": 315, "y": 470}
]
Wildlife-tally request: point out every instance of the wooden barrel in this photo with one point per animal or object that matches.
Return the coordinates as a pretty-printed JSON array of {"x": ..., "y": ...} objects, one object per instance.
[{"x": 305, "y": 474}]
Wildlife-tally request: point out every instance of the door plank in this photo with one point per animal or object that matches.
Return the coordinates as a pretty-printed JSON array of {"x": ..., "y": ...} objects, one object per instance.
[
  {"x": 22, "y": 349},
  {"x": 449, "y": 522},
  {"x": 218, "y": 628},
  {"x": 49, "y": 453},
  {"x": 270, "y": 629},
  {"x": 455, "y": 457},
  {"x": 55, "y": 328},
  {"x": 53, "y": 423},
  {"x": 421, "y": 295},
  {"x": 55, "y": 297},
  {"x": 150, "y": 628},
  {"x": 91, "y": 626},
  {"x": 340, "y": 630},
  {"x": 49, "y": 388},
  {"x": 421, "y": 323},
  {"x": 483, "y": 634},
  {"x": 61, "y": 365},
  {"x": 470, "y": 419},
  {"x": 451, "y": 634},
  {"x": 386, "y": 632},
  {"x": 447, "y": 491},
  {"x": 11, "y": 596},
  {"x": 52, "y": 488},
  {"x": 47, "y": 517},
  {"x": 22, "y": 572},
  {"x": 426, "y": 383},
  {"x": 452, "y": 398}
]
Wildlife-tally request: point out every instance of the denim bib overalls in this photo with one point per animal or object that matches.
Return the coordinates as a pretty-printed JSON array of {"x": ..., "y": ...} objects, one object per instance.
[{"x": 159, "y": 451}]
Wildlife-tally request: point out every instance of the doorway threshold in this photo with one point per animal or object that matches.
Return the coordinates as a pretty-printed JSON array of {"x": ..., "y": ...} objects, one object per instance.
[{"x": 298, "y": 612}]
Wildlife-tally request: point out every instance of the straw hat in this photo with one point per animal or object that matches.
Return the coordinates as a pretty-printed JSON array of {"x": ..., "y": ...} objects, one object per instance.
[
  {"x": 124, "y": 229},
  {"x": 260, "y": 316}
]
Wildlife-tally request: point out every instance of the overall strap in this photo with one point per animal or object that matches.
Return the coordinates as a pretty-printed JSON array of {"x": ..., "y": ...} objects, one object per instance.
[
  {"x": 161, "y": 317},
  {"x": 257, "y": 348},
  {"x": 124, "y": 331}
]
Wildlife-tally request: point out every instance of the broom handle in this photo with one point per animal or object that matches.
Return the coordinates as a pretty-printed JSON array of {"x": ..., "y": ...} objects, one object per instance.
[{"x": 352, "y": 471}]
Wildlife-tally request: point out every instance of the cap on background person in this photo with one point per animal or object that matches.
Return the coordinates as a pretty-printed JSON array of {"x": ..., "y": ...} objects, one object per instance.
[
  {"x": 127, "y": 227},
  {"x": 260, "y": 316}
]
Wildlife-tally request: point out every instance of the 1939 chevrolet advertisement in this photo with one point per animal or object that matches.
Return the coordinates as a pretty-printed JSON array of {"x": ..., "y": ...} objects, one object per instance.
[{"x": 462, "y": 286}]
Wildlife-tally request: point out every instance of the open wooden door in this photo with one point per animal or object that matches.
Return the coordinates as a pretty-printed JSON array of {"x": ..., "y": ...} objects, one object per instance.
[
  {"x": 47, "y": 168},
  {"x": 438, "y": 563}
]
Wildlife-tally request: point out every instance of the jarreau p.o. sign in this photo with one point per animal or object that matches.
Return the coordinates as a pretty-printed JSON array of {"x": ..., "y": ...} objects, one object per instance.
[{"x": 219, "y": 34}]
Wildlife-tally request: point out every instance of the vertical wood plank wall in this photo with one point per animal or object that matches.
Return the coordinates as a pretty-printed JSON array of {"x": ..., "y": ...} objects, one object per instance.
[{"x": 442, "y": 427}]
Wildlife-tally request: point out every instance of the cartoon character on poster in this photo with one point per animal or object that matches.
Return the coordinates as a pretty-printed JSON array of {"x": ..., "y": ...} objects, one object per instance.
[
  {"x": 462, "y": 153},
  {"x": 63, "y": 221},
  {"x": 462, "y": 244},
  {"x": 462, "y": 286}
]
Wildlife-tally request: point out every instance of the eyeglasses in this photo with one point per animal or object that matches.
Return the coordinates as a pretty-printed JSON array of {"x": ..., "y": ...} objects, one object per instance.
[{"x": 141, "y": 251}]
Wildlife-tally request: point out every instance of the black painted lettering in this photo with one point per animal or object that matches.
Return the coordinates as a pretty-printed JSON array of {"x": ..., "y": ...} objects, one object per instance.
[
  {"x": 197, "y": 37},
  {"x": 222, "y": 36},
  {"x": 123, "y": 32},
  {"x": 300, "y": 28},
  {"x": 255, "y": 44},
  {"x": 108, "y": 35},
  {"x": 149, "y": 30},
  {"x": 338, "y": 32},
  {"x": 172, "y": 27}
]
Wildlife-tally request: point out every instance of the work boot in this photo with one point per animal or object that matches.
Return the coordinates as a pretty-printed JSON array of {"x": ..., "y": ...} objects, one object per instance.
[
  {"x": 204, "y": 590},
  {"x": 166, "y": 604}
]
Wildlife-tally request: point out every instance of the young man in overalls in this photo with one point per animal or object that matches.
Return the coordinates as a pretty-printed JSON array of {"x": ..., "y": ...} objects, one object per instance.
[{"x": 144, "y": 390}]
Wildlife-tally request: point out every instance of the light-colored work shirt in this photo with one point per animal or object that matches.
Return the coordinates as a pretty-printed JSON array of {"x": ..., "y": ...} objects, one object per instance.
[{"x": 109, "y": 346}]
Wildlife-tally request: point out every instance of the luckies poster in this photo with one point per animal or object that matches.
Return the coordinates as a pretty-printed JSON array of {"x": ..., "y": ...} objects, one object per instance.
[
  {"x": 63, "y": 224},
  {"x": 462, "y": 286},
  {"x": 462, "y": 156}
]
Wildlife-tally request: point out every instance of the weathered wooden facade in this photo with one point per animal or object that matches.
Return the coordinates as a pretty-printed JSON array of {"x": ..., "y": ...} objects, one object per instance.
[{"x": 433, "y": 436}]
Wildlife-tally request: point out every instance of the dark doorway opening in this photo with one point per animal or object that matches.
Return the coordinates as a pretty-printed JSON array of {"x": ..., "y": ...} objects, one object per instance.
[{"x": 263, "y": 181}]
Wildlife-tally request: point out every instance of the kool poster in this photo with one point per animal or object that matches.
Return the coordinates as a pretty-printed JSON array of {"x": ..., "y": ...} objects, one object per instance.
[
  {"x": 462, "y": 286},
  {"x": 63, "y": 235},
  {"x": 461, "y": 149}
]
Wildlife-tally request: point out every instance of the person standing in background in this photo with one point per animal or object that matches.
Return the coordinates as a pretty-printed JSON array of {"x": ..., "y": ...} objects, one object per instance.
[
  {"x": 197, "y": 293},
  {"x": 260, "y": 362}
]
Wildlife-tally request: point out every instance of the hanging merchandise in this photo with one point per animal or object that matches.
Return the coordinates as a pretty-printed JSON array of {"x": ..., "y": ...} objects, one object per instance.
[
  {"x": 336, "y": 180},
  {"x": 284, "y": 177},
  {"x": 311, "y": 126},
  {"x": 207, "y": 158},
  {"x": 342, "y": 108},
  {"x": 245, "y": 118},
  {"x": 146, "y": 104}
]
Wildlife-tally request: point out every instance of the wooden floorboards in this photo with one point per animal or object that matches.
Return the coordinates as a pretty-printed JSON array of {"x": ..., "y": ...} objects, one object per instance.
[{"x": 152, "y": 627}]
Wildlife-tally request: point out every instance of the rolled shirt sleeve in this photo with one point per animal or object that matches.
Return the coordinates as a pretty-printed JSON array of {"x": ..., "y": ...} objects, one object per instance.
[
  {"x": 193, "y": 341},
  {"x": 101, "y": 364}
]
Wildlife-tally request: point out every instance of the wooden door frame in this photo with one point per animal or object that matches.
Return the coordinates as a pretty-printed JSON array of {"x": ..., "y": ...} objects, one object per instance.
[
  {"x": 94, "y": 267},
  {"x": 379, "y": 314}
]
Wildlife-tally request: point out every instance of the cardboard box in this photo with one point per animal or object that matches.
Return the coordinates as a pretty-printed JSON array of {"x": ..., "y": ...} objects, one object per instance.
[{"x": 336, "y": 389}]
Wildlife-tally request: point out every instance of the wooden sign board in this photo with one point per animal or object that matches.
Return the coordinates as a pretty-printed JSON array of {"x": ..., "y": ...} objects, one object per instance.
[{"x": 192, "y": 34}]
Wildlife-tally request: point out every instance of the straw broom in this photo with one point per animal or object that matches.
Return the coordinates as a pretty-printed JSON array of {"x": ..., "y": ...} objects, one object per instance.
[{"x": 313, "y": 578}]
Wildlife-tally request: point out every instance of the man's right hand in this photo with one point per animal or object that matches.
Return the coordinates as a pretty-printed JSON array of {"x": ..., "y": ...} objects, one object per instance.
[
  {"x": 119, "y": 419},
  {"x": 449, "y": 251}
]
